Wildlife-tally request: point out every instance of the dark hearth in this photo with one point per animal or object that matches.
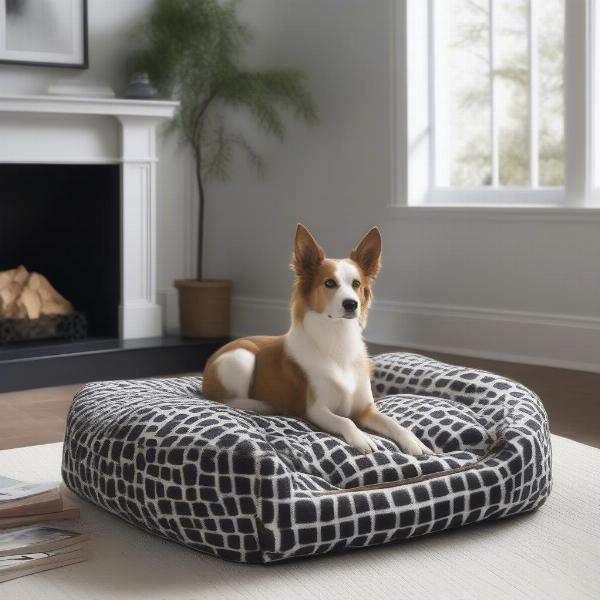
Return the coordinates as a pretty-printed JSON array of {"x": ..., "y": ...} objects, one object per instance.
[{"x": 30, "y": 365}]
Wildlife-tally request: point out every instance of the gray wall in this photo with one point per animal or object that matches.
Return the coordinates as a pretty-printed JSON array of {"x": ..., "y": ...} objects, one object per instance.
[
  {"x": 502, "y": 287},
  {"x": 498, "y": 287}
]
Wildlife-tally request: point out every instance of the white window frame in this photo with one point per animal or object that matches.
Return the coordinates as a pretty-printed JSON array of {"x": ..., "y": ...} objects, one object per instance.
[{"x": 413, "y": 107}]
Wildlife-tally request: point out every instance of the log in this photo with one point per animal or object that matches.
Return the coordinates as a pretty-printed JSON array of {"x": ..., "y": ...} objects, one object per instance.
[
  {"x": 30, "y": 302},
  {"x": 51, "y": 302},
  {"x": 6, "y": 277},
  {"x": 29, "y": 295},
  {"x": 14, "y": 282}
]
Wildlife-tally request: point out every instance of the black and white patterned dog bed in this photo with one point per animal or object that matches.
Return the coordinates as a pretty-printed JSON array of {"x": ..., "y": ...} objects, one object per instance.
[{"x": 251, "y": 488}]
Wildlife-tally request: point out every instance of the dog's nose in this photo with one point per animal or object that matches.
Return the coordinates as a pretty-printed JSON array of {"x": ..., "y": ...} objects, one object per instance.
[{"x": 349, "y": 305}]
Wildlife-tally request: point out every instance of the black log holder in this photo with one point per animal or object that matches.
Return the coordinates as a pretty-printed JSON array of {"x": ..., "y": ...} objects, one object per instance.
[{"x": 70, "y": 327}]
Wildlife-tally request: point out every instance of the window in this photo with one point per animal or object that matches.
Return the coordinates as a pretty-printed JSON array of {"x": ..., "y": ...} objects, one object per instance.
[{"x": 494, "y": 103}]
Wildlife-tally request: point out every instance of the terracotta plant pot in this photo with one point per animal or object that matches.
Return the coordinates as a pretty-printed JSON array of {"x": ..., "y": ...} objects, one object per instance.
[{"x": 204, "y": 307}]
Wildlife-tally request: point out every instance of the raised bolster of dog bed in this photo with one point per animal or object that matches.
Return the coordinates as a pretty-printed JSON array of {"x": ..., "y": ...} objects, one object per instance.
[{"x": 252, "y": 488}]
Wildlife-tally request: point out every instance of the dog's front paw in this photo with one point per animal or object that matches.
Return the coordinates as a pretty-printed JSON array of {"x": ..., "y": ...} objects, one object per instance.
[
  {"x": 411, "y": 444},
  {"x": 361, "y": 441}
]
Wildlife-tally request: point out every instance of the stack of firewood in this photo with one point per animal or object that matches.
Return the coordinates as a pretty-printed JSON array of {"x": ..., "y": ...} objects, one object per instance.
[{"x": 25, "y": 295}]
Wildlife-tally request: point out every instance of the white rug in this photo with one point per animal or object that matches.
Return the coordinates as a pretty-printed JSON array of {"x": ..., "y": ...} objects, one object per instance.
[{"x": 552, "y": 553}]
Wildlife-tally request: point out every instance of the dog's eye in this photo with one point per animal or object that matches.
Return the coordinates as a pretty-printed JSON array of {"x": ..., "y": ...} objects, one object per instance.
[
  {"x": 356, "y": 284},
  {"x": 330, "y": 283}
]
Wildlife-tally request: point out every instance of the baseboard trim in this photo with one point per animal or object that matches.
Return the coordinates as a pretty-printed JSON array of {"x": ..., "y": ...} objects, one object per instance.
[
  {"x": 168, "y": 300},
  {"x": 526, "y": 359},
  {"x": 555, "y": 340}
]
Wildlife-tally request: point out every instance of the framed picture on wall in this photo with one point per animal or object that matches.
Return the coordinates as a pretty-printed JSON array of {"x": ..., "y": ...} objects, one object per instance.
[{"x": 49, "y": 33}]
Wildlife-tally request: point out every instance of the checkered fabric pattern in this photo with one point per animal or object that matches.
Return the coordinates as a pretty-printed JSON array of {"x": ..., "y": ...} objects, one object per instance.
[{"x": 253, "y": 488}]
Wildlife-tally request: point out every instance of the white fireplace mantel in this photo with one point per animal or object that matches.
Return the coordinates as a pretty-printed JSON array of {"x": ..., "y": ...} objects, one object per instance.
[
  {"x": 72, "y": 130},
  {"x": 87, "y": 106}
]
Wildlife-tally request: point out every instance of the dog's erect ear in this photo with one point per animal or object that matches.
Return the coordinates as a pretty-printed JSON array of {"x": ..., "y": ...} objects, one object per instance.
[
  {"x": 368, "y": 253},
  {"x": 307, "y": 255}
]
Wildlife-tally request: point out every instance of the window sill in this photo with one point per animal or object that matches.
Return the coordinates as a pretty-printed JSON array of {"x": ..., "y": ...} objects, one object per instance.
[{"x": 539, "y": 214}]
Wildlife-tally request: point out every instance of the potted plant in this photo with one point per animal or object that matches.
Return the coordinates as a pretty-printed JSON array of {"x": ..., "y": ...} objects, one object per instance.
[{"x": 192, "y": 51}]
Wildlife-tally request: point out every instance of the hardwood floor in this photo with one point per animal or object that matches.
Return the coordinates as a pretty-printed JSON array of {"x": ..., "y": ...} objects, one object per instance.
[
  {"x": 572, "y": 399},
  {"x": 32, "y": 417}
]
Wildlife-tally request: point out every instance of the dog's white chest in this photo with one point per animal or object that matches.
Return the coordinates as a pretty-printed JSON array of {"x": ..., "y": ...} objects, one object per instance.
[
  {"x": 345, "y": 382},
  {"x": 334, "y": 386},
  {"x": 333, "y": 380}
]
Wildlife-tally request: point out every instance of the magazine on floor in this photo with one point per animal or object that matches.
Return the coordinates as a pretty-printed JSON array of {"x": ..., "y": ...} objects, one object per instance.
[
  {"x": 28, "y": 550},
  {"x": 37, "y": 538},
  {"x": 19, "y": 498},
  {"x": 13, "y": 489},
  {"x": 69, "y": 511}
]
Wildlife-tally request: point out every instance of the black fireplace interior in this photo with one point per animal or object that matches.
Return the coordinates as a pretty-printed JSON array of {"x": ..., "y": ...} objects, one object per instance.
[{"x": 63, "y": 221}]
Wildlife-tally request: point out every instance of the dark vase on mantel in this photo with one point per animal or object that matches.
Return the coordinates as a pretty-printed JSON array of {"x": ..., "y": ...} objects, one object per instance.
[{"x": 140, "y": 88}]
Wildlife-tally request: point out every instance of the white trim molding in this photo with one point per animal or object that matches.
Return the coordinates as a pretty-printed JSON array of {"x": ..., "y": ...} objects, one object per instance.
[
  {"x": 140, "y": 313},
  {"x": 82, "y": 105},
  {"x": 555, "y": 340}
]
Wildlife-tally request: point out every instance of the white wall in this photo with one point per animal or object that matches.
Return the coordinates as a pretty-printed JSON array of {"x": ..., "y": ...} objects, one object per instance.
[
  {"x": 488, "y": 287},
  {"x": 501, "y": 288},
  {"x": 110, "y": 26}
]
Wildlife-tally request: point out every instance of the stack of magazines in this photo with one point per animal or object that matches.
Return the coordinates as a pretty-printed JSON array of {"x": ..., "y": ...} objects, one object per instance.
[
  {"x": 27, "y": 547},
  {"x": 24, "y": 503}
]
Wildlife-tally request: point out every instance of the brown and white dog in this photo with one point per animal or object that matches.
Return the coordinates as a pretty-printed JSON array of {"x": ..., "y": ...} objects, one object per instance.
[{"x": 319, "y": 370}]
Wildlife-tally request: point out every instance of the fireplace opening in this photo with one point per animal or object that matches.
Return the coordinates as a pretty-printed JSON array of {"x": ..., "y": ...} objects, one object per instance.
[{"x": 63, "y": 222}]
